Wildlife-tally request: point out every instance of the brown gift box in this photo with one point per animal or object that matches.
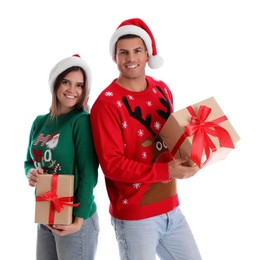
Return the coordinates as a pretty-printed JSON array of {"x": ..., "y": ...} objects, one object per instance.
[
  {"x": 215, "y": 136},
  {"x": 54, "y": 191}
]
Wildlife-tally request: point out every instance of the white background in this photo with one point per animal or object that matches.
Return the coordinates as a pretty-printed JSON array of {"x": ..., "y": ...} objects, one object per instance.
[{"x": 210, "y": 48}]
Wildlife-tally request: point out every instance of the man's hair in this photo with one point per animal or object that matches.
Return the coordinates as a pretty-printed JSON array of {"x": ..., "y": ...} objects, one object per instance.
[{"x": 128, "y": 36}]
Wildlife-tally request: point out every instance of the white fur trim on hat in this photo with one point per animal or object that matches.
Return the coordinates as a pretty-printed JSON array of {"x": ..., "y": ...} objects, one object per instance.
[
  {"x": 66, "y": 63},
  {"x": 155, "y": 61}
]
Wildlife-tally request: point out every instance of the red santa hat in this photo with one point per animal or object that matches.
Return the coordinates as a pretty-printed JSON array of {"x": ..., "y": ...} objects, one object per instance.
[
  {"x": 66, "y": 63},
  {"x": 137, "y": 27}
]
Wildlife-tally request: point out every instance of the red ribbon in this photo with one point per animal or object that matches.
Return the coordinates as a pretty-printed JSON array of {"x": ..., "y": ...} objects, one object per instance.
[
  {"x": 55, "y": 202},
  {"x": 201, "y": 129}
]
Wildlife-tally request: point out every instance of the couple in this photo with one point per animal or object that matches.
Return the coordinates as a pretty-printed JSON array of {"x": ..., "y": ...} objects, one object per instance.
[{"x": 121, "y": 133}]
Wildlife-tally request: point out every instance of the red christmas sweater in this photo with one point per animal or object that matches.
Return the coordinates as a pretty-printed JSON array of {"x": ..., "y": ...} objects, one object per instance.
[{"x": 132, "y": 156}]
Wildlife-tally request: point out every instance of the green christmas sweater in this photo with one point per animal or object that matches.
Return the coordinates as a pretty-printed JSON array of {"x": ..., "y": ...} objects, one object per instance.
[{"x": 65, "y": 146}]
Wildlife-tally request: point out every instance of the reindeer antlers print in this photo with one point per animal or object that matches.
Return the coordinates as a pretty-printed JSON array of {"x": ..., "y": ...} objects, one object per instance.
[
  {"x": 137, "y": 113},
  {"x": 165, "y": 102}
]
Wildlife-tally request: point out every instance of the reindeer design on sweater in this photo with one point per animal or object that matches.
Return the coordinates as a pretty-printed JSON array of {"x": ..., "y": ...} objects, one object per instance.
[{"x": 160, "y": 190}]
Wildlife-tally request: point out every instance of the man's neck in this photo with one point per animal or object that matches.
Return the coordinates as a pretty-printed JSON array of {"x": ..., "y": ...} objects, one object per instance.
[{"x": 134, "y": 85}]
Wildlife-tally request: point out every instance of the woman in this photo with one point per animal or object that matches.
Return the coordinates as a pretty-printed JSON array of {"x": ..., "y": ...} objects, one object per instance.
[{"x": 61, "y": 142}]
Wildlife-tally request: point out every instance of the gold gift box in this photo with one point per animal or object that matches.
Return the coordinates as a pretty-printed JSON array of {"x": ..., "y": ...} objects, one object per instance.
[
  {"x": 52, "y": 193},
  {"x": 202, "y": 119}
]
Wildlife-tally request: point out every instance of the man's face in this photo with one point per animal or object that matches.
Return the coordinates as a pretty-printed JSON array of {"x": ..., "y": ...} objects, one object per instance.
[{"x": 131, "y": 57}]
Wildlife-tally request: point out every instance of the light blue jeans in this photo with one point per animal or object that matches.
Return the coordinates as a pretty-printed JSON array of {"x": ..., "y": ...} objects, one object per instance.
[
  {"x": 168, "y": 236},
  {"x": 81, "y": 245}
]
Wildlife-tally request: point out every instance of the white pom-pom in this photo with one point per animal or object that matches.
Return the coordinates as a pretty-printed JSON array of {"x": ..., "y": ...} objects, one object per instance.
[{"x": 155, "y": 62}]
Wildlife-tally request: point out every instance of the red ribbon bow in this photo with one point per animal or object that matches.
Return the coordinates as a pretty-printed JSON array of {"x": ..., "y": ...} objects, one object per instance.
[
  {"x": 201, "y": 129},
  {"x": 56, "y": 203}
]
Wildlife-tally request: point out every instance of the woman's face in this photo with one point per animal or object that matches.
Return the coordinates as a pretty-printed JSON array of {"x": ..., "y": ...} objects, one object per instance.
[{"x": 70, "y": 91}]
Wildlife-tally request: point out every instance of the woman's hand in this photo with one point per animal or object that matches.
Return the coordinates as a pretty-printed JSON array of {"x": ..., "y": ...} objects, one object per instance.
[
  {"x": 63, "y": 230},
  {"x": 33, "y": 176}
]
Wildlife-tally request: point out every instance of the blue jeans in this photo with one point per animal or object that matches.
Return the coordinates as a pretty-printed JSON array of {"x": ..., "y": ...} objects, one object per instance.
[
  {"x": 81, "y": 245},
  {"x": 167, "y": 235}
]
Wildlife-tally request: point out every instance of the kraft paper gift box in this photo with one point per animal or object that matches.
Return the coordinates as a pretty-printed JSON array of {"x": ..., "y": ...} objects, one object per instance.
[
  {"x": 54, "y": 199},
  {"x": 201, "y": 131}
]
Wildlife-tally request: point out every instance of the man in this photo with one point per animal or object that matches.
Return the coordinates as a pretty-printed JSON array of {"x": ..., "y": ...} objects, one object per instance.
[{"x": 140, "y": 173}]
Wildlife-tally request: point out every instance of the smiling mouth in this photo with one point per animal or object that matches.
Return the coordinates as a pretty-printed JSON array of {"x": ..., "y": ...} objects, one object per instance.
[
  {"x": 71, "y": 97},
  {"x": 131, "y": 66}
]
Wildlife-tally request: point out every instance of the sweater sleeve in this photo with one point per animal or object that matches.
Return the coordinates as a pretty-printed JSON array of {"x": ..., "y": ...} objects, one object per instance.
[
  {"x": 109, "y": 145},
  {"x": 28, "y": 163},
  {"x": 87, "y": 167}
]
